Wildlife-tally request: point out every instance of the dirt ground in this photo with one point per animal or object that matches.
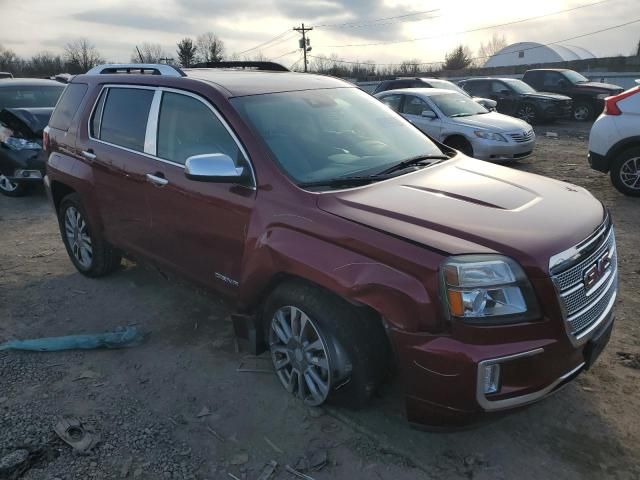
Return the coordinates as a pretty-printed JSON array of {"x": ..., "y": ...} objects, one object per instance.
[{"x": 177, "y": 407}]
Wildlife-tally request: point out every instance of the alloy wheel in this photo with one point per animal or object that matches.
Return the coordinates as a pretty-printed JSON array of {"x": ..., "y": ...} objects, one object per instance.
[
  {"x": 300, "y": 355},
  {"x": 527, "y": 113},
  {"x": 77, "y": 233},
  {"x": 630, "y": 173},
  {"x": 581, "y": 113},
  {"x": 7, "y": 185}
]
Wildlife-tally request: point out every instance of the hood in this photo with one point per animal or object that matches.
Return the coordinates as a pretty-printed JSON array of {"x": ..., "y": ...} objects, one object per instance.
[
  {"x": 599, "y": 87},
  {"x": 546, "y": 96},
  {"x": 469, "y": 206},
  {"x": 28, "y": 122},
  {"x": 493, "y": 121}
]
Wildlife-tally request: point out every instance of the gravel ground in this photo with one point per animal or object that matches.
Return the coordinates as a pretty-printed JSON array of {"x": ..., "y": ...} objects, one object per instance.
[{"x": 176, "y": 407}]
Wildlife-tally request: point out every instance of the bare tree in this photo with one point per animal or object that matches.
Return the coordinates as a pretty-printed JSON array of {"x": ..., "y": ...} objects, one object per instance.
[
  {"x": 45, "y": 64},
  {"x": 149, "y": 53},
  {"x": 81, "y": 55},
  {"x": 9, "y": 61},
  {"x": 186, "y": 52},
  {"x": 210, "y": 47},
  {"x": 409, "y": 67},
  {"x": 496, "y": 43}
]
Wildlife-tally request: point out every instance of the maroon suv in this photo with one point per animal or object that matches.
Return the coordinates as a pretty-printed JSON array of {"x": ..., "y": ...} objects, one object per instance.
[{"x": 349, "y": 242}]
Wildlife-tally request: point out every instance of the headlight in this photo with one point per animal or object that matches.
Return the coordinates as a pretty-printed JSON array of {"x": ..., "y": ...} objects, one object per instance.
[
  {"x": 490, "y": 136},
  {"x": 487, "y": 289},
  {"x": 21, "y": 144},
  {"x": 602, "y": 96}
]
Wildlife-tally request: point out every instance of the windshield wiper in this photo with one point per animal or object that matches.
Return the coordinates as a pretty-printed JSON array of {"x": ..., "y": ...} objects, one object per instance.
[
  {"x": 411, "y": 161},
  {"x": 345, "y": 181}
]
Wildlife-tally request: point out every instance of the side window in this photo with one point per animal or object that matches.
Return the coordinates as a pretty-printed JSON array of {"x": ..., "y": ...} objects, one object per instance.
[
  {"x": 414, "y": 106},
  {"x": 97, "y": 115},
  {"x": 68, "y": 106},
  {"x": 478, "y": 89},
  {"x": 498, "y": 87},
  {"x": 187, "y": 127},
  {"x": 124, "y": 117},
  {"x": 551, "y": 79},
  {"x": 392, "y": 101}
]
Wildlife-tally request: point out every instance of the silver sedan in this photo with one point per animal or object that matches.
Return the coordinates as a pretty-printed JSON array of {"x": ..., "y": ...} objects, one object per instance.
[{"x": 461, "y": 123}]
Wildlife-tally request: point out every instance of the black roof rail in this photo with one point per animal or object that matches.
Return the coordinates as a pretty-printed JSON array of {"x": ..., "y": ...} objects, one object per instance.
[
  {"x": 268, "y": 66},
  {"x": 137, "y": 68}
]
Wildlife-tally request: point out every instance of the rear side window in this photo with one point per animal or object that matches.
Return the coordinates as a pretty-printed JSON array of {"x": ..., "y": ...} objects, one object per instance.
[
  {"x": 392, "y": 101},
  {"x": 124, "y": 117},
  {"x": 68, "y": 106},
  {"x": 477, "y": 88},
  {"x": 187, "y": 127}
]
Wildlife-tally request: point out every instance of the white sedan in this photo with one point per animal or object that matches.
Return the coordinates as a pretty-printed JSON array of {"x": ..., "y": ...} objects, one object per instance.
[{"x": 459, "y": 122}]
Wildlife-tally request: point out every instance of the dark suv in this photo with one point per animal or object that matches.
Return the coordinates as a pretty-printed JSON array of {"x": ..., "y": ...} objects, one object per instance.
[
  {"x": 418, "y": 82},
  {"x": 346, "y": 239},
  {"x": 518, "y": 99},
  {"x": 588, "y": 97}
]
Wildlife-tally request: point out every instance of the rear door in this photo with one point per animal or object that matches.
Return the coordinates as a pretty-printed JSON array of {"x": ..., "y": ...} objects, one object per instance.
[
  {"x": 198, "y": 228},
  {"x": 115, "y": 149},
  {"x": 412, "y": 109}
]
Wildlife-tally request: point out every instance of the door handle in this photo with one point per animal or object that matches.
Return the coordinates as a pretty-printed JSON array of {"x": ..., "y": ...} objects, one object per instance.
[
  {"x": 157, "y": 179},
  {"x": 88, "y": 154}
]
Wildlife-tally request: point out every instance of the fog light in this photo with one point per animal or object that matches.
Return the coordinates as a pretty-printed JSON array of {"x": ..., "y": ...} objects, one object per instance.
[{"x": 491, "y": 378}]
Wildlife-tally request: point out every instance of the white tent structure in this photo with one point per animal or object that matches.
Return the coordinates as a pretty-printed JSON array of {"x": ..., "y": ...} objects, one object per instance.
[{"x": 529, "y": 53}]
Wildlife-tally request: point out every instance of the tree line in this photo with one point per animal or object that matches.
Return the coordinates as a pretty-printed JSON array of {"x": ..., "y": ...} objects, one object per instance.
[{"x": 81, "y": 55}]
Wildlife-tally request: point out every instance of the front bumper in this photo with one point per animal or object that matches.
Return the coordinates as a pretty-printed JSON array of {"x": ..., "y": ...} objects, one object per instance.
[
  {"x": 21, "y": 166},
  {"x": 598, "y": 162},
  {"x": 444, "y": 377},
  {"x": 557, "y": 111},
  {"x": 497, "y": 151}
]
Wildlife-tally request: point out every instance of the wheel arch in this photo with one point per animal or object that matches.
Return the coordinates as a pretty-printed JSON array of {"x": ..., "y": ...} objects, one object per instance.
[
  {"x": 620, "y": 146},
  {"x": 59, "y": 190}
]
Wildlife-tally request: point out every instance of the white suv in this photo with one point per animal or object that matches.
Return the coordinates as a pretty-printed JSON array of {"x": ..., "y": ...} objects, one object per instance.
[{"x": 614, "y": 141}]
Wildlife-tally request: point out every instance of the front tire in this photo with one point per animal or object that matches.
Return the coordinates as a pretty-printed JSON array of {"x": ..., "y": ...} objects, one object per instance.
[
  {"x": 460, "y": 144},
  {"x": 625, "y": 172},
  {"x": 582, "y": 111},
  {"x": 528, "y": 113},
  {"x": 12, "y": 189},
  {"x": 322, "y": 347},
  {"x": 89, "y": 252}
]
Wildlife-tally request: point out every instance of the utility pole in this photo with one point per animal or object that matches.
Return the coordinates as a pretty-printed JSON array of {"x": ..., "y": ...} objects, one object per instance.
[{"x": 305, "y": 43}]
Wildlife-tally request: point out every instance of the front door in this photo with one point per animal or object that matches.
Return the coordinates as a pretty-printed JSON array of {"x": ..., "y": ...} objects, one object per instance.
[
  {"x": 413, "y": 108},
  {"x": 506, "y": 98},
  {"x": 199, "y": 228}
]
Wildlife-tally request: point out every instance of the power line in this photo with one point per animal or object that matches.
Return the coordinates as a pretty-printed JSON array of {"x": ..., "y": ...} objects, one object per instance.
[
  {"x": 470, "y": 31},
  {"x": 494, "y": 55},
  {"x": 284, "y": 54},
  {"x": 374, "y": 21},
  {"x": 280, "y": 35}
]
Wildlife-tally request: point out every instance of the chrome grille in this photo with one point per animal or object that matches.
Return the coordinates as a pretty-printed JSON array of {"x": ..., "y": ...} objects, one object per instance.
[
  {"x": 582, "y": 307},
  {"x": 522, "y": 137}
]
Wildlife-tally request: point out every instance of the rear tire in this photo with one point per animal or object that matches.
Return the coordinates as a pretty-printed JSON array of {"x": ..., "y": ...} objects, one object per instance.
[
  {"x": 13, "y": 189},
  {"x": 89, "y": 252},
  {"x": 625, "y": 172},
  {"x": 349, "y": 341},
  {"x": 460, "y": 144}
]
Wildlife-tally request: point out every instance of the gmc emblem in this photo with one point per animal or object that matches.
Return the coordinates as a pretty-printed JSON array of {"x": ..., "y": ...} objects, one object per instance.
[{"x": 596, "y": 271}]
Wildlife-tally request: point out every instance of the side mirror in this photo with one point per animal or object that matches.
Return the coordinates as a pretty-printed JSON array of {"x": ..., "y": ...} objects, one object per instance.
[
  {"x": 428, "y": 114},
  {"x": 212, "y": 167}
]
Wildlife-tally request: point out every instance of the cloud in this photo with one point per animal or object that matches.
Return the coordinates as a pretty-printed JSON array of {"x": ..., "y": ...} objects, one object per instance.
[{"x": 127, "y": 18}]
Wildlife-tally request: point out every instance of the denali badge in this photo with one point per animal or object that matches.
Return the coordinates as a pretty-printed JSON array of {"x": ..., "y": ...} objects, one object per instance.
[{"x": 596, "y": 271}]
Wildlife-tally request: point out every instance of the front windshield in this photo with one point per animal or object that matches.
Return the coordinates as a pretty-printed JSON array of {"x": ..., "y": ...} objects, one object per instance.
[
  {"x": 447, "y": 86},
  {"x": 456, "y": 105},
  {"x": 317, "y": 135},
  {"x": 519, "y": 86},
  {"x": 29, "y": 96},
  {"x": 575, "y": 77}
]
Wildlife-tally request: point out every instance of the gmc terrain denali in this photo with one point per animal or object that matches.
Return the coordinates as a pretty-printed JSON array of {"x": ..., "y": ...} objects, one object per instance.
[{"x": 348, "y": 241}]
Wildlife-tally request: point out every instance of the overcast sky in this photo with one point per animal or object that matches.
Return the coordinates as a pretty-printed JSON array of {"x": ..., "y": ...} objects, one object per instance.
[{"x": 116, "y": 26}]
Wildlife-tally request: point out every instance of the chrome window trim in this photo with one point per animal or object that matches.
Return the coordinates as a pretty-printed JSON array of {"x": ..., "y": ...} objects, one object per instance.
[
  {"x": 157, "y": 116},
  {"x": 493, "y": 405},
  {"x": 151, "y": 134}
]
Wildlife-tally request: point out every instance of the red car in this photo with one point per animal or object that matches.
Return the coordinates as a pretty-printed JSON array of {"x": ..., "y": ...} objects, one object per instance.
[{"x": 350, "y": 243}]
